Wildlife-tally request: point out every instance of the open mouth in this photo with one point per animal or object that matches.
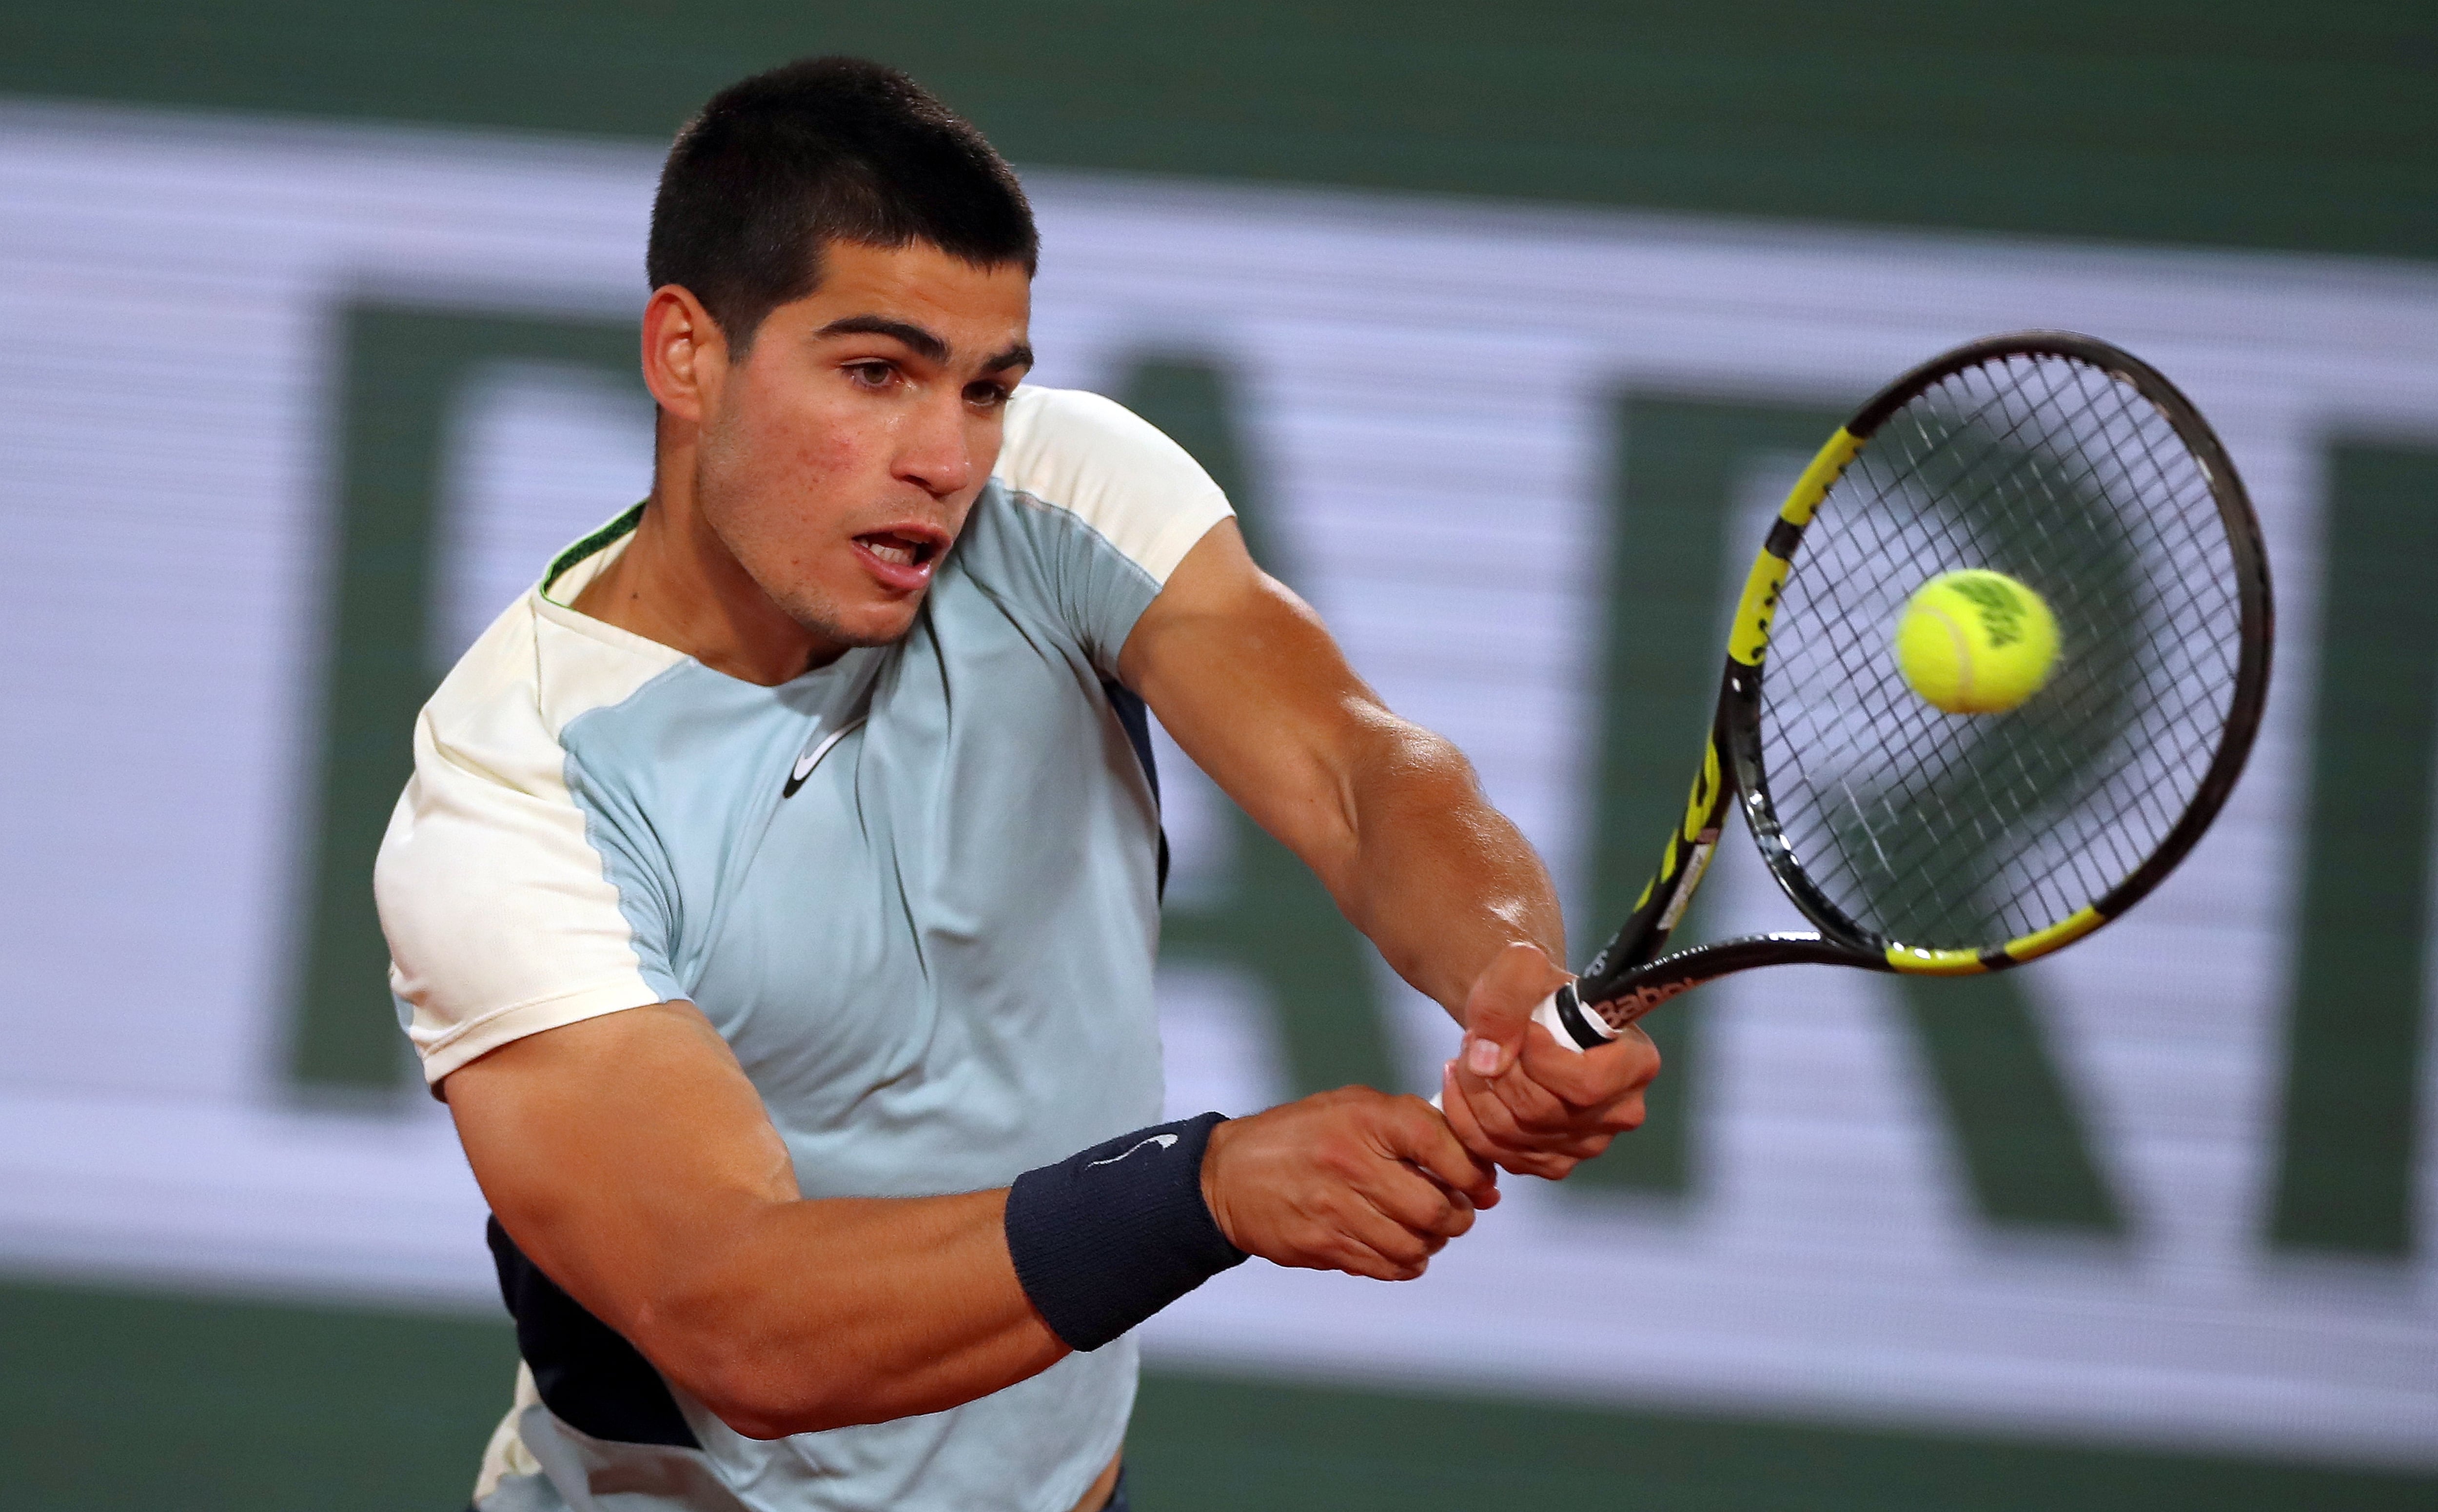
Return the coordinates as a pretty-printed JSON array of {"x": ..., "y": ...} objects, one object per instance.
[
  {"x": 902, "y": 556},
  {"x": 899, "y": 550}
]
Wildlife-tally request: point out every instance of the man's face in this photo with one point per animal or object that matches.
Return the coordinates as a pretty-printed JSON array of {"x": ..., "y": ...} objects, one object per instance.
[{"x": 839, "y": 457}]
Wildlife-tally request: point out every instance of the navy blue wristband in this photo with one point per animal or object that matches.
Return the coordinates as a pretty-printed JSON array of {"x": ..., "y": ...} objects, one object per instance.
[{"x": 1104, "y": 1239}]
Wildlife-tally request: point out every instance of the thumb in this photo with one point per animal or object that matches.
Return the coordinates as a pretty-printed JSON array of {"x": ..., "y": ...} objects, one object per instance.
[{"x": 1499, "y": 1009}]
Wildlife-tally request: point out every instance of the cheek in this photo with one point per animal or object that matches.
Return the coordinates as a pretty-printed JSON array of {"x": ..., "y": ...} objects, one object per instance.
[
  {"x": 807, "y": 435},
  {"x": 785, "y": 467}
]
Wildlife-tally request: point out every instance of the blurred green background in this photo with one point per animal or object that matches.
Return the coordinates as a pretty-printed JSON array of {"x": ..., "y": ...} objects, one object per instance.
[
  {"x": 2240, "y": 124},
  {"x": 2237, "y": 123}
]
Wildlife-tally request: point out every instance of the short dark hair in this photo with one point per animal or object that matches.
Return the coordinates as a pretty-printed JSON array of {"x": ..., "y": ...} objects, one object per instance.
[{"x": 823, "y": 149}]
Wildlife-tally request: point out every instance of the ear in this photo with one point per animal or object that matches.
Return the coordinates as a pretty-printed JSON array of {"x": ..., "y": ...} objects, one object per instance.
[{"x": 685, "y": 356}]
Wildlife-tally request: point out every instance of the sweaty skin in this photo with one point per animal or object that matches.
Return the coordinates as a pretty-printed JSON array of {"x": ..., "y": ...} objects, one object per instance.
[
  {"x": 1389, "y": 817},
  {"x": 806, "y": 489}
]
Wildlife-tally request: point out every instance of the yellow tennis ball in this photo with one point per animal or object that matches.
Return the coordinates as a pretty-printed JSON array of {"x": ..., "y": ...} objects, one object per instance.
[{"x": 1975, "y": 642}]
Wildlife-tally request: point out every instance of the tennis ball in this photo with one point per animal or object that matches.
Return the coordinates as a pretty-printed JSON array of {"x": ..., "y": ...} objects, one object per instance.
[{"x": 1975, "y": 642}]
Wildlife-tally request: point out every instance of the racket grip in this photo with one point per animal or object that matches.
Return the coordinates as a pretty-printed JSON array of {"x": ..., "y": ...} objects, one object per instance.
[{"x": 1562, "y": 1013}]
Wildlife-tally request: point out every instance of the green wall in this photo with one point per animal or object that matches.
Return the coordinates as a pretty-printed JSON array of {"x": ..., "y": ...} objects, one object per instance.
[{"x": 2250, "y": 123}]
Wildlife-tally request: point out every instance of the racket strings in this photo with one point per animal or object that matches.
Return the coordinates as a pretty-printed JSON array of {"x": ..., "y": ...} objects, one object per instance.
[
  {"x": 1960, "y": 831},
  {"x": 2027, "y": 778}
]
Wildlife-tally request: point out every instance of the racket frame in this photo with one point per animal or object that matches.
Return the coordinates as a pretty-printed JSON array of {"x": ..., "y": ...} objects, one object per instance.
[{"x": 1630, "y": 976}]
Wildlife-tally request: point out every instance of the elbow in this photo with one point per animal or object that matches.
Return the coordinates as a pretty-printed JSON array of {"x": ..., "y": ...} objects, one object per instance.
[
  {"x": 765, "y": 1390},
  {"x": 758, "y": 1402},
  {"x": 755, "y": 1409},
  {"x": 779, "y": 1391},
  {"x": 707, "y": 1342},
  {"x": 767, "y": 1384},
  {"x": 744, "y": 1382}
]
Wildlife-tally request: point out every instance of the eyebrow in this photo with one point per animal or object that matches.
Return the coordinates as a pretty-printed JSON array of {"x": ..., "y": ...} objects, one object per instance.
[{"x": 922, "y": 342}]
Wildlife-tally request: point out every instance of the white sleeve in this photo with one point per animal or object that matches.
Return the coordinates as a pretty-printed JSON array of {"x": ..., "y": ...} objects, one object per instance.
[
  {"x": 500, "y": 917},
  {"x": 1112, "y": 507}
]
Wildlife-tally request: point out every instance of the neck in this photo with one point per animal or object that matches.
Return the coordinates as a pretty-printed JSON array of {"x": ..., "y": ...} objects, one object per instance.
[{"x": 678, "y": 584}]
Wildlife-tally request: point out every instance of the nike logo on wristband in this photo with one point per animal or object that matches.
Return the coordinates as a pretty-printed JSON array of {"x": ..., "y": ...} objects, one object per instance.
[{"x": 1162, "y": 1140}]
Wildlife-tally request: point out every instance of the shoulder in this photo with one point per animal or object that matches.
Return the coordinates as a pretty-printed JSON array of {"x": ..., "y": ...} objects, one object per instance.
[
  {"x": 502, "y": 712},
  {"x": 502, "y": 916},
  {"x": 1109, "y": 470},
  {"x": 491, "y": 769}
]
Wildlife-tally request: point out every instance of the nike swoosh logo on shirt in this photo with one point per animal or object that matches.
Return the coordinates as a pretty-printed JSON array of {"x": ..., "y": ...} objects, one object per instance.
[
  {"x": 812, "y": 758},
  {"x": 1162, "y": 1140}
]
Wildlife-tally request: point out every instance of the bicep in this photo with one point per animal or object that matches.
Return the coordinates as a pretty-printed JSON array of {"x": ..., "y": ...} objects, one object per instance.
[{"x": 612, "y": 1147}]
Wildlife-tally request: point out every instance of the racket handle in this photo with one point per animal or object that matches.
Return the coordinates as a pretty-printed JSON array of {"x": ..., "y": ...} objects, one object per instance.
[
  {"x": 1562, "y": 1013},
  {"x": 1584, "y": 1033}
]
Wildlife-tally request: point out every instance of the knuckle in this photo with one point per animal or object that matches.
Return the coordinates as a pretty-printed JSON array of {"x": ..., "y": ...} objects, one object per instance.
[{"x": 1339, "y": 1156}]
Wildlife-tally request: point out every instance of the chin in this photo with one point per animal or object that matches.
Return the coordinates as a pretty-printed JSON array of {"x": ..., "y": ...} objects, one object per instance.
[{"x": 877, "y": 624}]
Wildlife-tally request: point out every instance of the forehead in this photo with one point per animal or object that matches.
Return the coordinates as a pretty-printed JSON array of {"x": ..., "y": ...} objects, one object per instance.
[{"x": 980, "y": 308}]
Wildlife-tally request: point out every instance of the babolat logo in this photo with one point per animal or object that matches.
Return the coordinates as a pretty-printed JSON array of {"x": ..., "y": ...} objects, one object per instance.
[
  {"x": 2002, "y": 609},
  {"x": 1617, "y": 1012}
]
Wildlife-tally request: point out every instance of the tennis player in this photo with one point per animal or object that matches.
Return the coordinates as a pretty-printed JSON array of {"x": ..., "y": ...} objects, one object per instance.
[{"x": 775, "y": 900}]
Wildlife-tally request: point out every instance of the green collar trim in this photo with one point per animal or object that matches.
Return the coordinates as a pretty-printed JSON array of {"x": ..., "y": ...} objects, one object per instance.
[{"x": 623, "y": 525}]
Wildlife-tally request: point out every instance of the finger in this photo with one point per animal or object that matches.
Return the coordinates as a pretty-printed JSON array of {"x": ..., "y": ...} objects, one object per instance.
[
  {"x": 1366, "y": 1227},
  {"x": 1595, "y": 1078},
  {"x": 1519, "y": 1153},
  {"x": 1513, "y": 1108},
  {"x": 1494, "y": 1136},
  {"x": 1412, "y": 1131},
  {"x": 1344, "y": 1254},
  {"x": 1419, "y": 1206},
  {"x": 1501, "y": 1004},
  {"x": 1534, "y": 1107},
  {"x": 1543, "y": 1121},
  {"x": 1455, "y": 1105},
  {"x": 1336, "y": 1230},
  {"x": 1468, "y": 1101}
]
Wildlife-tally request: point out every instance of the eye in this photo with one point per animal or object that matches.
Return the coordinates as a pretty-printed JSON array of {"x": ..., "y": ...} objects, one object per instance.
[
  {"x": 871, "y": 375},
  {"x": 985, "y": 396}
]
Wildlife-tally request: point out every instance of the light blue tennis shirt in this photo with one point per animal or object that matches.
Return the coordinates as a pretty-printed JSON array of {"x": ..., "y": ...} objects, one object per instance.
[{"x": 915, "y": 891}]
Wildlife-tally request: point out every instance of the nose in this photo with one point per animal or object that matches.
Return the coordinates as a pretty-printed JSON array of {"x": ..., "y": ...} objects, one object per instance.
[{"x": 934, "y": 449}]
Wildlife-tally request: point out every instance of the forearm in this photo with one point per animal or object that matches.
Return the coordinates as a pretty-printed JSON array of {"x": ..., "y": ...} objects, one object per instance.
[
  {"x": 1391, "y": 819},
  {"x": 1388, "y": 815},
  {"x": 1437, "y": 878},
  {"x": 793, "y": 1317}
]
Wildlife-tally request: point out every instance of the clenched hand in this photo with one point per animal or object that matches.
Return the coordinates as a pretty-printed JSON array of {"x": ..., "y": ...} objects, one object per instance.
[
  {"x": 1517, "y": 1098},
  {"x": 1353, "y": 1180}
]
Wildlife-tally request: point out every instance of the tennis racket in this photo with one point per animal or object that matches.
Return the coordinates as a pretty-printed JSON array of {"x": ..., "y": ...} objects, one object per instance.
[{"x": 1948, "y": 845}]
